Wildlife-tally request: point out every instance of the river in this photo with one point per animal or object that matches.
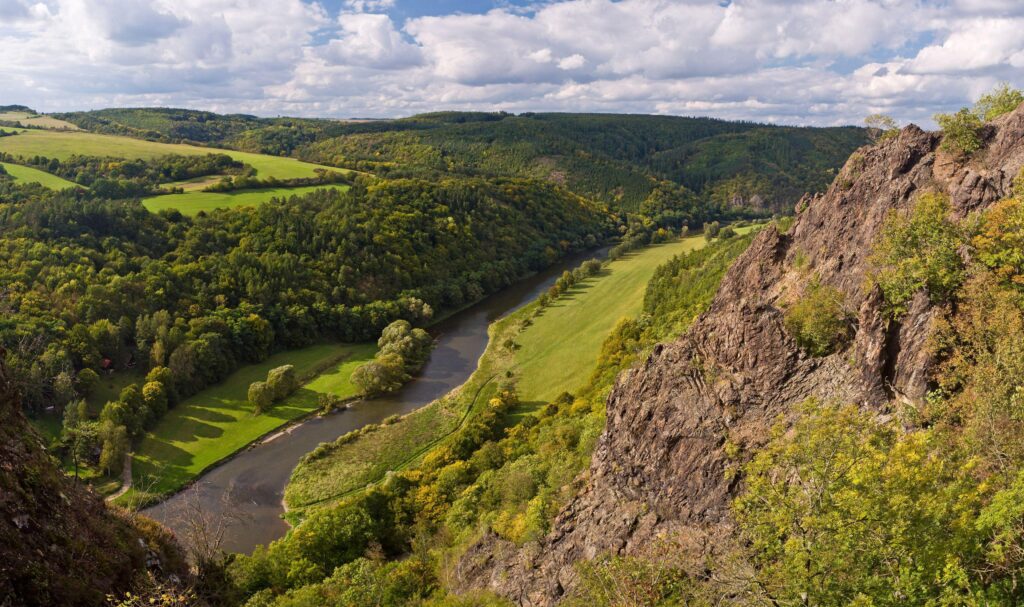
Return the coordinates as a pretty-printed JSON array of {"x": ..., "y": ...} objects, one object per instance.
[{"x": 248, "y": 488}]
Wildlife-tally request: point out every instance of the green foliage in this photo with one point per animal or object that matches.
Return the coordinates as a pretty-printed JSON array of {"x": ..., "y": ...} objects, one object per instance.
[
  {"x": 842, "y": 509},
  {"x": 1002, "y": 100},
  {"x": 918, "y": 249},
  {"x": 999, "y": 241},
  {"x": 881, "y": 126},
  {"x": 960, "y": 132},
  {"x": 818, "y": 320},
  {"x": 282, "y": 381},
  {"x": 261, "y": 396}
]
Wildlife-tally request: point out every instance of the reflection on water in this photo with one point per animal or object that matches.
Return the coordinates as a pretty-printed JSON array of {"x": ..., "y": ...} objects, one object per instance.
[{"x": 248, "y": 488}]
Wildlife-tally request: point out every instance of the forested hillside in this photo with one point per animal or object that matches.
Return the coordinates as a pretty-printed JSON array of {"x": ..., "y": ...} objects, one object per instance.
[
  {"x": 617, "y": 159},
  {"x": 94, "y": 287}
]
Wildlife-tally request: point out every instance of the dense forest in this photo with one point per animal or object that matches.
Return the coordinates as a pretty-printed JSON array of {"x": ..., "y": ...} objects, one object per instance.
[{"x": 616, "y": 159}]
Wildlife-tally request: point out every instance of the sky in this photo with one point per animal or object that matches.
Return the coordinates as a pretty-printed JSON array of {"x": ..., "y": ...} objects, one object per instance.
[{"x": 807, "y": 62}]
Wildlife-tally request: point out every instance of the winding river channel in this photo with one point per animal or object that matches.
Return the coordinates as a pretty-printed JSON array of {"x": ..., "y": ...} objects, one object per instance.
[{"x": 250, "y": 486}]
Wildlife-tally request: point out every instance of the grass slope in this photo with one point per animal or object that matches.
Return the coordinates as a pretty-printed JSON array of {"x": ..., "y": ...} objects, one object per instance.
[
  {"x": 61, "y": 145},
  {"x": 563, "y": 340},
  {"x": 548, "y": 362},
  {"x": 191, "y": 203},
  {"x": 39, "y": 120},
  {"x": 218, "y": 421},
  {"x": 30, "y": 175}
]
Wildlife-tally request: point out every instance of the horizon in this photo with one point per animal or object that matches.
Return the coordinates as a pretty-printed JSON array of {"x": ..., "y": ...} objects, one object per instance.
[{"x": 794, "y": 63}]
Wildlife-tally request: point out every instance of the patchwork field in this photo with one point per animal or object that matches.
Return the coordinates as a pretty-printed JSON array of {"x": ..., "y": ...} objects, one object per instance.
[
  {"x": 30, "y": 175},
  {"x": 219, "y": 421},
  {"x": 192, "y": 202}
]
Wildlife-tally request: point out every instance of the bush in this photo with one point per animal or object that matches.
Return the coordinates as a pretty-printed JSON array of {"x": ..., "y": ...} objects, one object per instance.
[
  {"x": 960, "y": 132},
  {"x": 1000, "y": 241},
  {"x": 261, "y": 396},
  {"x": 1002, "y": 100},
  {"x": 282, "y": 381},
  {"x": 818, "y": 321},
  {"x": 918, "y": 249}
]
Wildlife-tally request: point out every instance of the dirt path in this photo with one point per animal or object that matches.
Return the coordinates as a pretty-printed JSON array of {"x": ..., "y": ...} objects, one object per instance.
[{"x": 126, "y": 478}]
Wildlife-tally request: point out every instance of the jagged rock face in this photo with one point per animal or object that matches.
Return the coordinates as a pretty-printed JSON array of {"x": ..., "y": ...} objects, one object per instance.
[
  {"x": 59, "y": 543},
  {"x": 660, "y": 466}
]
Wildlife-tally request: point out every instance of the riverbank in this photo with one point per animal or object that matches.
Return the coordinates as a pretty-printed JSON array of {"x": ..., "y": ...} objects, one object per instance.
[
  {"x": 249, "y": 486},
  {"x": 206, "y": 429},
  {"x": 531, "y": 340}
]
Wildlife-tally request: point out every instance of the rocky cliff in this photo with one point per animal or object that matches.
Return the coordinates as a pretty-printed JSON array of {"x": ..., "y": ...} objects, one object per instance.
[
  {"x": 660, "y": 466},
  {"x": 59, "y": 543}
]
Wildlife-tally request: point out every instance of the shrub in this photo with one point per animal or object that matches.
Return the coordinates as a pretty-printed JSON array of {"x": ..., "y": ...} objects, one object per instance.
[
  {"x": 261, "y": 396},
  {"x": 881, "y": 126},
  {"x": 1002, "y": 100},
  {"x": 818, "y": 321},
  {"x": 960, "y": 132},
  {"x": 1000, "y": 241},
  {"x": 282, "y": 381},
  {"x": 918, "y": 249}
]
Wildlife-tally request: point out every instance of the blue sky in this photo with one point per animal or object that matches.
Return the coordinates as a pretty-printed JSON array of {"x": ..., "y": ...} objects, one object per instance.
[{"x": 819, "y": 62}]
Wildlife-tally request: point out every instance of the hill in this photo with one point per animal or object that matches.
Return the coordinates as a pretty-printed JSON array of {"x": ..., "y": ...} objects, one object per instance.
[{"x": 617, "y": 159}]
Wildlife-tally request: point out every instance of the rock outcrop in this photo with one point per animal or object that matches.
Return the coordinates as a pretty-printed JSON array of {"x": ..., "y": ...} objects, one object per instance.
[
  {"x": 660, "y": 465},
  {"x": 59, "y": 543}
]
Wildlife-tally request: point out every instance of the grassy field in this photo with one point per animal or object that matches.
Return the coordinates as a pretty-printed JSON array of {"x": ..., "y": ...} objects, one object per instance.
[
  {"x": 30, "y": 175},
  {"x": 46, "y": 122},
  {"x": 350, "y": 464},
  {"x": 218, "y": 421},
  {"x": 548, "y": 363},
  {"x": 61, "y": 144},
  {"x": 587, "y": 314},
  {"x": 191, "y": 203}
]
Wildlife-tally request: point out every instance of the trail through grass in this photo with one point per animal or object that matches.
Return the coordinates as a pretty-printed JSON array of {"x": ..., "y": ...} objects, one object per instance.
[
  {"x": 191, "y": 203},
  {"x": 217, "y": 422}
]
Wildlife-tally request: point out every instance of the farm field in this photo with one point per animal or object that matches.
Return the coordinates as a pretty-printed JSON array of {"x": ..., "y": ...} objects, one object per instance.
[
  {"x": 217, "y": 422},
  {"x": 62, "y": 144},
  {"x": 39, "y": 120},
  {"x": 588, "y": 312},
  {"x": 26, "y": 174},
  {"x": 192, "y": 202}
]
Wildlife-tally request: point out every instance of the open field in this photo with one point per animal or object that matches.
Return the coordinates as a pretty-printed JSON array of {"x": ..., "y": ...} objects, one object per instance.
[
  {"x": 587, "y": 313},
  {"x": 191, "y": 203},
  {"x": 547, "y": 362},
  {"x": 352, "y": 463},
  {"x": 39, "y": 120},
  {"x": 25, "y": 174},
  {"x": 217, "y": 422},
  {"x": 62, "y": 144}
]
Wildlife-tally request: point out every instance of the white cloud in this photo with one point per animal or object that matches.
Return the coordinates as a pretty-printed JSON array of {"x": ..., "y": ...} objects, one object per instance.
[{"x": 794, "y": 61}]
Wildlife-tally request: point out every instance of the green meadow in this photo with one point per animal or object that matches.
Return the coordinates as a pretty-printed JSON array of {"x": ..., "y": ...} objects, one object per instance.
[
  {"x": 30, "y": 175},
  {"x": 219, "y": 421},
  {"x": 192, "y": 202},
  {"x": 62, "y": 144},
  {"x": 547, "y": 361},
  {"x": 37, "y": 120}
]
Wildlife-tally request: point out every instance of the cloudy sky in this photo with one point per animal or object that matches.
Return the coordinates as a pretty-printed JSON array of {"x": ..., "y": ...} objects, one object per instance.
[{"x": 787, "y": 61}]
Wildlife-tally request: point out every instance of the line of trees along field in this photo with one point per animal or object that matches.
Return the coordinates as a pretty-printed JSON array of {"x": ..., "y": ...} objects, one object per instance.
[{"x": 94, "y": 286}]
